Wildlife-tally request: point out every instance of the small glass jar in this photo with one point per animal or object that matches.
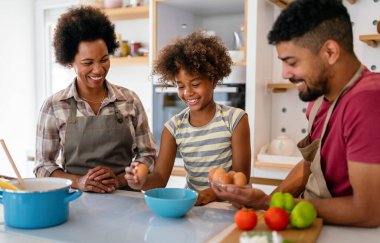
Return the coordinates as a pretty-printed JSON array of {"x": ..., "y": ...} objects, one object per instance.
[
  {"x": 125, "y": 50},
  {"x": 135, "y": 46}
]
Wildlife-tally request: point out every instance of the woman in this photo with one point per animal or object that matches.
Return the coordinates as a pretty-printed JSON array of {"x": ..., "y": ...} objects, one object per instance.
[{"x": 99, "y": 128}]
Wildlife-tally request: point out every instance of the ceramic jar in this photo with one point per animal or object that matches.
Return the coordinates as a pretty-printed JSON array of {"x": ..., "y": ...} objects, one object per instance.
[
  {"x": 113, "y": 3},
  {"x": 282, "y": 145}
]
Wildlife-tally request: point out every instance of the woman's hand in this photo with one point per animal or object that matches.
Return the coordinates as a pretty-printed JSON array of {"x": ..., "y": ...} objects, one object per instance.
[
  {"x": 242, "y": 197},
  {"x": 205, "y": 196},
  {"x": 99, "y": 179},
  {"x": 130, "y": 175}
]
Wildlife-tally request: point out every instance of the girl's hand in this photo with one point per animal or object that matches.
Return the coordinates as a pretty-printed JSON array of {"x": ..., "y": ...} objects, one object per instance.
[
  {"x": 205, "y": 196},
  {"x": 133, "y": 180}
]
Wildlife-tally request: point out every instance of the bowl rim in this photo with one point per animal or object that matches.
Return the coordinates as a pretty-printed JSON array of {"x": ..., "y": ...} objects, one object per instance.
[
  {"x": 194, "y": 194},
  {"x": 67, "y": 182}
]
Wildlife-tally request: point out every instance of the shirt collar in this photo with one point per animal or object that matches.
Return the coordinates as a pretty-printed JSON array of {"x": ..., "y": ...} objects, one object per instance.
[{"x": 71, "y": 92}]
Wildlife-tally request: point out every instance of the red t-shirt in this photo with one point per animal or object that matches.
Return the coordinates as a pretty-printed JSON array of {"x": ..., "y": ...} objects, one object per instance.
[{"x": 352, "y": 134}]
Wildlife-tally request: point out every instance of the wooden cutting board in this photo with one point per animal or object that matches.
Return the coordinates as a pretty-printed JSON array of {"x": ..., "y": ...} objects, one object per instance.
[{"x": 293, "y": 235}]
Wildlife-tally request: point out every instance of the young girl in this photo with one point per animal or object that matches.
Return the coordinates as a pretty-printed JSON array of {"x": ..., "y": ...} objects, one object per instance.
[{"x": 207, "y": 135}]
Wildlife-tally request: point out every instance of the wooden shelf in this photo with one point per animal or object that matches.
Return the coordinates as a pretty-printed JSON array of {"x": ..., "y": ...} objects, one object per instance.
[
  {"x": 129, "y": 60},
  {"x": 281, "y": 3},
  {"x": 280, "y": 87},
  {"x": 269, "y": 165},
  {"x": 371, "y": 40},
  {"x": 178, "y": 171},
  {"x": 285, "y": 3},
  {"x": 127, "y": 13},
  {"x": 242, "y": 63}
]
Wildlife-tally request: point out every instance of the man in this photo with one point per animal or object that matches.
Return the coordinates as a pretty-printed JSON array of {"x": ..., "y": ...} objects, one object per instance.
[{"x": 340, "y": 173}]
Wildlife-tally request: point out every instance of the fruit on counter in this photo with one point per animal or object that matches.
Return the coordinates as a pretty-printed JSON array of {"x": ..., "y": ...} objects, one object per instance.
[
  {"x": 303, "y": 215},
  {"x": 245, "y": 219},
  {"x": 239, "y": 179},
  {"x": 276, "y": 218},
  {"x": 282, "y": 200},
  {"x": 141, "y": 171}
]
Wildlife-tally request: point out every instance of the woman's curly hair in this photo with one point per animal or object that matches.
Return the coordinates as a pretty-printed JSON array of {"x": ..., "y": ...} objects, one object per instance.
[
  {"x": 82, "y": 24},
  {"x": 197, "y": 53}
]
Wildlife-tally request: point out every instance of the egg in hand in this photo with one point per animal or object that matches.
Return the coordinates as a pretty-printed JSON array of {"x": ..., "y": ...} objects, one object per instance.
[
  {"x": 141, "y": 171},
  {"x": 218, "y": 175}
]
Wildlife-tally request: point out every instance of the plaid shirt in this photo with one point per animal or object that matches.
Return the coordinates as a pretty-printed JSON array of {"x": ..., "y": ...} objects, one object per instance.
[{"x": 55, "y": 112}]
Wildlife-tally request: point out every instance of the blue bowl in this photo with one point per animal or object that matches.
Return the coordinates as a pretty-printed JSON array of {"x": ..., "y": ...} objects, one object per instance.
[{"x": 170, "y": 202}]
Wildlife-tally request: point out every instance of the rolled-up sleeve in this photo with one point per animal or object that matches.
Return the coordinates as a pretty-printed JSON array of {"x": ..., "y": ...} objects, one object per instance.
[
  {"x": 145, "y": 151},
  {"x": 47, "y": 141}
]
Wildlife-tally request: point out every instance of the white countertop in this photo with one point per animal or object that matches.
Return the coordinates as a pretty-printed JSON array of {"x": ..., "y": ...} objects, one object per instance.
[{"x": 124, "y": 217}]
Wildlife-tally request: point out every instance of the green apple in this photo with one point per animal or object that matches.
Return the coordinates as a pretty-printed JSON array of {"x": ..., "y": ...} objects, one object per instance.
[
  {"x": 303, "y": 215},
  {"x": 282, "y": 200}
]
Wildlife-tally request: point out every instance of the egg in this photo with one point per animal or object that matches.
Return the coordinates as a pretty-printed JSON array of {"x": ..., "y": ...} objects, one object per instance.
[
  {"x": 141, "y": 171},
  {"x": 224, "y": 179},
  {"x": 240, "y": 179},
  {"x": 231, "y": 174},
  {"x": 211, "y": 173},
  {"x": 217, "y": 173}
]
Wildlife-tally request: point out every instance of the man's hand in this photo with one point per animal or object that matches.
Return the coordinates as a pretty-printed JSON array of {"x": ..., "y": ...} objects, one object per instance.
[{"x": 242, "y": 197}]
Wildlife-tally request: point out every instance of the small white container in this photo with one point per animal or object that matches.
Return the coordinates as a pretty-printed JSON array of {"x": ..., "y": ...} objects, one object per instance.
[
  {"x": 282, "y": 145},
  {"x": 113, "y": 3}
]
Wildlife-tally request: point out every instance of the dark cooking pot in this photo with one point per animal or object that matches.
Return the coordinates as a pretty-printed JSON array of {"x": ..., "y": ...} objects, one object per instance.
[{"x": 44, "y": 203}]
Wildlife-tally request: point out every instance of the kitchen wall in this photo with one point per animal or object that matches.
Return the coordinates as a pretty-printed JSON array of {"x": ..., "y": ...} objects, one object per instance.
[{"x": 17, "y": 85}]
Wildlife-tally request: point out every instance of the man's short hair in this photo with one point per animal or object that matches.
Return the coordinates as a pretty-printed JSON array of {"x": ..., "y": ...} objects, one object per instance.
[{"x": 310, "y": 23}]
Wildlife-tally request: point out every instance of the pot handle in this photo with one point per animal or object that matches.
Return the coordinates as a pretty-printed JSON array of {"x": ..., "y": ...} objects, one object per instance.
[
  {"x": 1, "y": 197},
  {"x": 72, "y": 196}
]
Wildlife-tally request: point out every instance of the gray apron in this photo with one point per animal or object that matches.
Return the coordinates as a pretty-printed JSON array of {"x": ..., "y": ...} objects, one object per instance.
[
  {"x": 316, "y": 186},
  {"x": 96, "y": 140}
]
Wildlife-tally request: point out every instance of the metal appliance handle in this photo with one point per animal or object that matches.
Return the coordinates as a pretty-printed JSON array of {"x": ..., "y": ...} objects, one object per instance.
[{"x": 172, "y": 90}]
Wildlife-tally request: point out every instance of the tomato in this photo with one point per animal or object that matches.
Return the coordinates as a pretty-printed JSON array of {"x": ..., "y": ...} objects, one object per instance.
[
  {"x": 246, "y": 219},
  {"x": 276, "y": 218}
]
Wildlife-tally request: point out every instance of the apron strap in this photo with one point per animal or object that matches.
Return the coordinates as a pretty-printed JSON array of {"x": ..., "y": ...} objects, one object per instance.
[{"x": 313, "y": 113}]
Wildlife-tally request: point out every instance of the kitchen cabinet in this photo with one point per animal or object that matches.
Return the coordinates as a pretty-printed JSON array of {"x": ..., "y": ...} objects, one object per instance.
[
  {"x": 132, "y": 23},
  {"x": 177, "y": 18},
  {"x": 128, "y": 14}
]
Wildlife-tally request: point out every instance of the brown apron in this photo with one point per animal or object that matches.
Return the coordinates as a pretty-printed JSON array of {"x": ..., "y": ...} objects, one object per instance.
[
  {"x": 96, "y": 140},
  {"x": 316, "y": 186}
]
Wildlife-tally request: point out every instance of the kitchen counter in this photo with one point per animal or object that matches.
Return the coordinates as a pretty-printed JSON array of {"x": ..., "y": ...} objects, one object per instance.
[{"x": 124, "y": 217}]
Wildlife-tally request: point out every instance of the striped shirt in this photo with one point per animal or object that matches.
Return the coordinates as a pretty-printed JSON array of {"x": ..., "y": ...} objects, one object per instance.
[
  {"x": 55, "y": 112},
  {"x": 206, "y": 147}
]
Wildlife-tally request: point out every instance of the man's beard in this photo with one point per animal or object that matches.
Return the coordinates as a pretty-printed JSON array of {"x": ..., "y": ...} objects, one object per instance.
[{"x": 312, "y": 93}]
